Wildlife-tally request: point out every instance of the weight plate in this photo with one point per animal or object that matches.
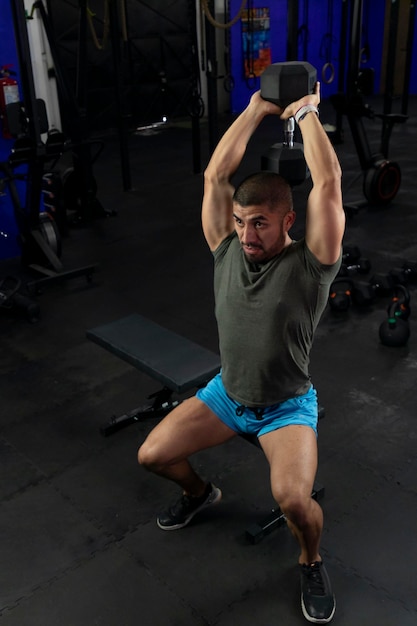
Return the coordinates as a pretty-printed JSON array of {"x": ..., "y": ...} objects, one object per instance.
[
  {"x": 382, "y": 182},
  {"x": 50, "y": 233}
]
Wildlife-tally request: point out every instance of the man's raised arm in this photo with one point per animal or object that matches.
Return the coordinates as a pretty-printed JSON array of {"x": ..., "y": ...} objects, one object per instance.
[
  {"x": 325, "y": 222},
  {"x": 217, "y": 212}
]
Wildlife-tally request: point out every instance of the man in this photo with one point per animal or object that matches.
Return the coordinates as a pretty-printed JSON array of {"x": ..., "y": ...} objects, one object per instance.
[{"x": 270, "y": 292}]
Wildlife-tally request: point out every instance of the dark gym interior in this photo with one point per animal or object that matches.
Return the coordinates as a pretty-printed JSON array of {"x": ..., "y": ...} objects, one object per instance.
[{"x": 78, "y": 539}]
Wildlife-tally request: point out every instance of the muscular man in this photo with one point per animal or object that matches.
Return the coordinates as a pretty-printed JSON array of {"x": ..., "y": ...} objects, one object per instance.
[{"x": 270, "y": 293}]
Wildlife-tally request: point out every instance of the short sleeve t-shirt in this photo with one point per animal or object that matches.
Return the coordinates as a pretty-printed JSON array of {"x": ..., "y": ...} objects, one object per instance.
[{"x": 267, "y": 315}]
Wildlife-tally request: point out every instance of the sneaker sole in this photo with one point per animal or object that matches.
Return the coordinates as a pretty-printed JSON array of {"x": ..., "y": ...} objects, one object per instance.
[{"x": 214, "y": 498}]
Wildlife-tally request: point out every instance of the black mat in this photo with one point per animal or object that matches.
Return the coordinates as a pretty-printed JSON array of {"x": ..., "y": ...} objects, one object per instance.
[{"x": 78, "y": 540}]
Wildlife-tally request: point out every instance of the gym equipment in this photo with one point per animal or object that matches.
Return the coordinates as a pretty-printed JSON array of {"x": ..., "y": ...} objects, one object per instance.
[
  {"x": 54, "y": 201},
  {"x": 361, "y": 266},
  {"x": 282, "y": 83},
  {"x": 12, "y": 300},
  {"x": 39, "y": 238},
  {"x": 74, "y": 115},
  {"x": 401, "y": 298},
  {"x": 405, "y": 274},
  {"x": 395, "y": 331},
  {"x": 364, "y": 294},
  {"x": 176, "y": 362},
  {"x": 381, "y": 177},
  {"x": 328, "y": 72},
  {"x": 257, "y": 531},
  {"x": 340, "y": 294},
  {"x": 180, "y": 365},
  {"x": 287, "y": 158}
]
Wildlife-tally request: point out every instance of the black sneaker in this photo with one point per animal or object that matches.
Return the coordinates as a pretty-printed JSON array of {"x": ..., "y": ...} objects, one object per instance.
[
  {"x": 183, "y": 511},
  {"x": 317, "y": 600}
]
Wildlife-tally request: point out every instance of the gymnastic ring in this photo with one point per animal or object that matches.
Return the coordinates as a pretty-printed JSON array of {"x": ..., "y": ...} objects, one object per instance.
[
  {"x": 251, "y": 80},
  {"x": 330, "y": 78},
  {"x": 228, "y": 83}
]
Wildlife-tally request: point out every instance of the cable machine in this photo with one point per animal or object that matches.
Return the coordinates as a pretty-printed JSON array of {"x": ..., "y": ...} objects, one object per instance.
[
  {"x": 80, "y": 179},
  {"x": 381, "y": 177},
  {"x": 38, "y": 235}
]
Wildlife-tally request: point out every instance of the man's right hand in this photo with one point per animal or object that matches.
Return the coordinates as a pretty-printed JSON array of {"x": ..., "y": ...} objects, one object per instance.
[{"x": 312, "y": 98}]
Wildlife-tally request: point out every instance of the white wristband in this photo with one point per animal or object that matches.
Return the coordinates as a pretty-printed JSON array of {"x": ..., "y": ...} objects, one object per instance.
[{"x": 301, "y": 113}]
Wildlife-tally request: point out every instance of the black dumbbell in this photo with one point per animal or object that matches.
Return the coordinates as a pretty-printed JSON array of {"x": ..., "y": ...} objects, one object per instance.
[
  {"x": 283, "y": 83},
  {"x": 405, "y": 274},
  {"x": 410, "y": 270},
  {"x": 362, "y": 266},
  {"x": 365, "y": 294},
  {"x": 340, "y": 295},
  {"x": 287, "y": 158}
]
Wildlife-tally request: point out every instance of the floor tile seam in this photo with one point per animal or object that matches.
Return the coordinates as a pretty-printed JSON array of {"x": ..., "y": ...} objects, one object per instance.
[
  {"x": 50, "y": 406},
  {"x": 245, "y": 593},
  {"x": 364, "y": 497},
  {"x": 19, "y": 492},
  {"x": 44, "y": 585},
  {"x": 35, "y": 483},
  {"x": 165, "y": 583},
  {"x": 49, "y": 480},
  {"x": 388, "y": 477},
  {"x": 82, "y": 511},
  {"x": 347, "y": 514},
  {"x": 370, "y": 468},
  {"x": 43, "y": 477},
  {"x": 334, "y": 560}
]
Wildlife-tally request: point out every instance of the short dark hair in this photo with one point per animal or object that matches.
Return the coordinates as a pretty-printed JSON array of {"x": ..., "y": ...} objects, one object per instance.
[{"x": 267, "y": 188}]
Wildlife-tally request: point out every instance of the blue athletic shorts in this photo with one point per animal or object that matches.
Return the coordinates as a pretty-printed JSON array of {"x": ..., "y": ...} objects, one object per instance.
[{"x": 301, "y": 410}]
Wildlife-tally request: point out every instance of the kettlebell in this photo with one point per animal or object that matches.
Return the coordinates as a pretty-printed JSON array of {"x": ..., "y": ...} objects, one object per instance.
[
  {"x": 395, "y": 331},
  {"x": 340, "y": 295},
  {"x": 401, "y": 296}
]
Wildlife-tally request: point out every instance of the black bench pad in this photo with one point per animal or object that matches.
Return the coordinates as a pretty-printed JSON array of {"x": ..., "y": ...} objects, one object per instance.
[{"x": 177, "y": 362}]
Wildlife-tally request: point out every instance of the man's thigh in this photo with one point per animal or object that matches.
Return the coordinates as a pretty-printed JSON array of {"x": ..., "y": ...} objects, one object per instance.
[
  {"x": 292, "y": 455},
  {"x": 187, "y": 429}
]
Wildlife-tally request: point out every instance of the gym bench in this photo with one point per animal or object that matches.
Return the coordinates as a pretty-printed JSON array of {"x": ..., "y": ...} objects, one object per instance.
[
  {"x": 176, "y": 362},
  {"x": 179, "y": 365}
]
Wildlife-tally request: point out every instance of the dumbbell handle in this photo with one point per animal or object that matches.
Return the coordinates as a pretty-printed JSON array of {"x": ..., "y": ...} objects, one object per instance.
[{"x": 289, "y": 127}]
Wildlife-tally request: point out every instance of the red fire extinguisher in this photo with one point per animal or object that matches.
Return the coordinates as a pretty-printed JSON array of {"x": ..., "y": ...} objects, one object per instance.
[{"x": 9, "y": 93}]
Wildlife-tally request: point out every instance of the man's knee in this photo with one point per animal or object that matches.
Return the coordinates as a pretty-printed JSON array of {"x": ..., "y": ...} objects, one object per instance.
[
  {"x": 295, "y": 505},
  {"x": 149, "y": 457}
]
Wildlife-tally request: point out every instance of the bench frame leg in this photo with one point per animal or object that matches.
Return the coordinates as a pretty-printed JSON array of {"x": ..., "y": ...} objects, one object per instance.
[
  {"x": 275, "y": 519},
  {"x": 162, "y": 404}
]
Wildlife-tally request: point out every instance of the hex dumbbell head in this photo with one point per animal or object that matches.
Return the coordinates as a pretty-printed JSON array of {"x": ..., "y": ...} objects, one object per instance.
[
  {"x": 289, "y": 162},
  {"x": 283, "y": 83}
]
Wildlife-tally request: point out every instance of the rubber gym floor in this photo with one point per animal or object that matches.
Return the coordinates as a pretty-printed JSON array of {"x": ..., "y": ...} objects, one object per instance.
[{"x": 79, "y": 542}]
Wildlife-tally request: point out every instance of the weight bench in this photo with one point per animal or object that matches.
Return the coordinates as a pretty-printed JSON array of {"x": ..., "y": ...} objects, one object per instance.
[
  {"x": 176, "y": 362},
  {"x": 180, "y": 365}
]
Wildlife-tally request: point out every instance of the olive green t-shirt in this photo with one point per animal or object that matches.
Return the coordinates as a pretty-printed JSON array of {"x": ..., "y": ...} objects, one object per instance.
[{"x": 266, "y": 315}]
